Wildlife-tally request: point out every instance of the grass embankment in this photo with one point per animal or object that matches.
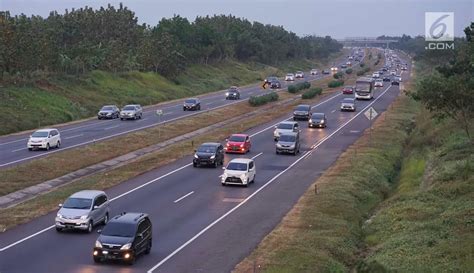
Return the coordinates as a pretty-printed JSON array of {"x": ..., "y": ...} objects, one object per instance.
[
  {"x": 48, "y": 202},
  {"x": 68, "y": 98},
  {"x": 323, "y": 232},
  {"x": 427, "y": 225}
]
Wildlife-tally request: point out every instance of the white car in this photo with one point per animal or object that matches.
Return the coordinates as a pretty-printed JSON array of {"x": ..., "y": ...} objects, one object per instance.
[
  {"x": 314, "y": 72},
  {"x": 399, "y": 78},
  {"x": 285, "y": 127},
  {"x": 375, "y": 75},
  {"x": 393, "y": 72},
  {"x": 239, "y": 171},
  {"x": 299, "y": 74},
  {"x": 289, "y": 77},
  {"x": 334, "y": 68},
  {"x": 44, "y": 139},
  {"x": 378, "y": 83}
]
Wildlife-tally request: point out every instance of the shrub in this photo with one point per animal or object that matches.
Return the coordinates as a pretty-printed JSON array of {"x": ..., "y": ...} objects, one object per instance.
[
  {"x": 311, "y": 93},
  {"x": 360, "y": 73},
  {"x": 263, "y": 99},
  {"x": 362, "y": 64},
  {"x": 349, "y": 71},
  {"x": 337, "y": 83},
  {"x": 298, "y": 87},
  {"x": 338, "y": 75}
]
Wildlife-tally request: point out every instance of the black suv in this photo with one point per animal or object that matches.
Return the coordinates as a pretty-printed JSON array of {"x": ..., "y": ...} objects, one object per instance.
[
  {"x": 232, "y": 94},
  {"x": 124, "y": 238},
  {"x": 275, "y": 84},
  {"x": 302, "y": 111},
  {"x": 209, "y": 153}
]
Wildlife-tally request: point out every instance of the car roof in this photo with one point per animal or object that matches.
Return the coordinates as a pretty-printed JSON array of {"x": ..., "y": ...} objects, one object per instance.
[
  {"x": 128, "y": 217},
  {"x": 241, "y": 160},
  {"x": 289, "y": 134},
  {"x": 46, "y": 130},
  {"x": 318, "y": 114},
  {"x": 210, "y": 144},
  {"x": 192, "y": 99},
  {"x": 110, "y": 105},
  {"x": 87, "y": 194},
  {"x": 304, "y": 105},
  {"x": 288, "y": 122},
  {"x": 244, "y": 135},
  {"x": 348, "y": 99}
]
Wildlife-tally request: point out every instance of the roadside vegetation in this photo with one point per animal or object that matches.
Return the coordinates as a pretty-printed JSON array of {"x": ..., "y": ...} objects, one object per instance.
[{"x": 399, "y": 200}]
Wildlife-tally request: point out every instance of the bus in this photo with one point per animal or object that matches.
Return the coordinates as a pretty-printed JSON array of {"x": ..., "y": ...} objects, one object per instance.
[{"x": 364, "y": 88}]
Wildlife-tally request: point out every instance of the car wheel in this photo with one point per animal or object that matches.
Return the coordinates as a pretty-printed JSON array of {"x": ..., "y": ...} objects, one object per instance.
[
  {"x": 89, "y": 227},
  {"x": 58, "y": 229},
  {"x": 30, "y": 149},
  {"x": 253, "y": 179},
  {"x": 98, "y": 118},
  {"x": 121, "y": 118},
  {"x": 141, "y": 116},
  {"x": 215, "y": 164},
  {"x": 184, "y": 109},
  {"x": 276, "y": 152},
  {"x": 148, "y": 248},
  {"x": 106, "y": 219},
  {"x": 47, "y": 146},
  {"x": 97, "y": 260},
  {"x": 58, "y": 144},
  {"x": 194, "y": 165},
  {"x": 199, "y": 107}
]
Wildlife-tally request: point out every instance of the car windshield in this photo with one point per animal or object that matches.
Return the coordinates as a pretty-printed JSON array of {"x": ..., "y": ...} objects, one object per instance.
[
  {"x": 207, "y": 149},
  {"x": 271, "y": 78},
  {"x": 302, "y": 108},
  {"x": 236, "y": 166},
  {"x": 235, "y": 138},
  {"x": 40, "y": 134},
  {"x": 107, "y": 108},
  {"x": 287, "y": 138},
  {"x": 78, "y": 203},
  {"x": 348, "y": 100},
  {"x": 317, "y": 116},
  {"x": 119, "y": 229},
  {"x": 287, "y": 126},
  {"x": 190, "y": 101},
  {"x": 128, "y": 108},
  {"x": 363, "y": 86}
]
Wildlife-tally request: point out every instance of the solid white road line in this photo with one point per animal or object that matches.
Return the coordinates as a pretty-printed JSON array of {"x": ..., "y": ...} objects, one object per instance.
[
  {"x": 333, "y": 111},
  {"x": 182, "y": 197},
  {"x": 261, "y": 188},
  {"x": 257, "y": 155},
  {"x": 18, "y": 150},
  {"x": 69, "y": 137}
]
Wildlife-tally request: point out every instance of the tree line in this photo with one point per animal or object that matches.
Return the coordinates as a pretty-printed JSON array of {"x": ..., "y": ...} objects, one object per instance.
[{"x": 111, "y": 39}]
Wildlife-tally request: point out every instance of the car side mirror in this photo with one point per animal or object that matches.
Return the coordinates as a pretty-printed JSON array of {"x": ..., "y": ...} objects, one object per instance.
[
  {"x": 223, "y": 168},
  {"x": 99, "y": 231},
  {"x": 226, "y": 139},
  {"x": 96, "y": 207},
  {"x": 195, "y": 150},
  {"x": 275, "y": 126},
  {"x": 60, "y": 205},
  {"x": 140, "y": 235}
]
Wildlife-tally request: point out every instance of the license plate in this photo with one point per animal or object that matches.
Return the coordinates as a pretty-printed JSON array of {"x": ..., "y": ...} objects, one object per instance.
[{"x": 105, "y": 252}]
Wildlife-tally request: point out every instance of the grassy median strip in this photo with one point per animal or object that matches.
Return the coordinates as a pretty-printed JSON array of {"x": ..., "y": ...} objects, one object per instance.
[{"x": 43, "y": 204}]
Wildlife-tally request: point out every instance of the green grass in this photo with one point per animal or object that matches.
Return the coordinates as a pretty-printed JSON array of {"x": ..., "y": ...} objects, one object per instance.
[{"x": 68, "y": 98}]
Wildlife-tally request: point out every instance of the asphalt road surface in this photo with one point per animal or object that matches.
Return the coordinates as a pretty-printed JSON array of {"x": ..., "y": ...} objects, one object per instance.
[
  {"x": 13, "y": 147},
  {"x": 199, "y": 225}
]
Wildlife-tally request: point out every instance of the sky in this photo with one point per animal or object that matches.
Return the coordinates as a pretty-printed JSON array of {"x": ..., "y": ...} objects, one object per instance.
[{"x": 336, "y": 18}]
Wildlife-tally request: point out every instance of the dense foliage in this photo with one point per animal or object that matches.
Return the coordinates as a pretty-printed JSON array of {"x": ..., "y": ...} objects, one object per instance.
[
  {"x": 111, "y": 39},
  {"x": 311, "y": 93},
  {"x": 335, "y": 83},
  {"x": 263, "y": 99},
  {"x": 294, "y": 88}
]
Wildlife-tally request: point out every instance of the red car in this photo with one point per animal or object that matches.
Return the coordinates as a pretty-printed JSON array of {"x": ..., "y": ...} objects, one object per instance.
[
  {"x": 348, "y": 90},
  {"x": 238, "y": 143}
]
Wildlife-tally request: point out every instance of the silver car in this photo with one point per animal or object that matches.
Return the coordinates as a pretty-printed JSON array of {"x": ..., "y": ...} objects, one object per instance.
[
  {"x": 131, "y": 111},
  {"x": 83, "y": 210}
]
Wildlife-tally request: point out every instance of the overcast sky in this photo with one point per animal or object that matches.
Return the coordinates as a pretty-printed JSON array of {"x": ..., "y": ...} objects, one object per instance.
[{"x": 337, "y": 18}]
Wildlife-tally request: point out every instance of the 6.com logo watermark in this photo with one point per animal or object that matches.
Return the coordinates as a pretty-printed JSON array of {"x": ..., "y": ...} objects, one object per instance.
[{"x": 439, "y": 30}]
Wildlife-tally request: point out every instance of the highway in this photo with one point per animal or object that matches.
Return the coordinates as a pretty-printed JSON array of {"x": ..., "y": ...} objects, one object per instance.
[
  {"x": 198, "y": 225},
  {"x": 13, "y": 147}
]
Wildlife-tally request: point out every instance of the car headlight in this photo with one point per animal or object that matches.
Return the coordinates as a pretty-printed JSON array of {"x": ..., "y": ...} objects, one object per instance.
[
  {"x": 227, "y": 94},
  {"x": 275, "y": 133},
  {"x": 243, "y": 177},
  {"x": 98, "y": 244},
  {"x": 83, "y": 217},
  {"x": 292, "y": 146},
  {"x": 126, "y": 246},
  {"x": 322, "y": 121},
  {"x": 310, "y": 120},
  {"x": 59, "y": 215},
  {"x": 278, "y": 145},
  {"x": 213, "y": 156},
  {"x": 196, "y": 156}
]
